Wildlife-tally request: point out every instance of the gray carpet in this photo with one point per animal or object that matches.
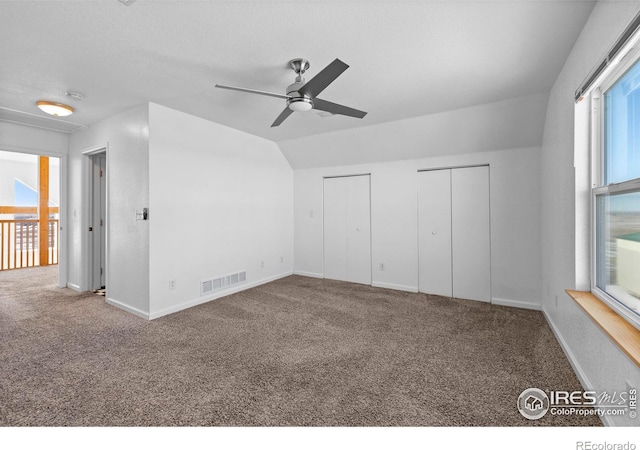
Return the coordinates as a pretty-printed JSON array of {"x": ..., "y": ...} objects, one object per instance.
[{"x": 295, "y": 352}]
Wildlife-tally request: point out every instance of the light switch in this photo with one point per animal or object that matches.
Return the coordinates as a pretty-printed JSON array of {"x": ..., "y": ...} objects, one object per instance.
[{"x": 142, "y": 214}]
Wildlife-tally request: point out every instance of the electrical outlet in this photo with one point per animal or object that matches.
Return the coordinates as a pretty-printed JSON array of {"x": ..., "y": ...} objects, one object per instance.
[
  {"x": 282, "y": 259},
  {"x": 262, "y": 264},
  {"x": 311, "y": 213},
  {"x": 381, "y": 266},
  {"x": 172, "y": 284}
]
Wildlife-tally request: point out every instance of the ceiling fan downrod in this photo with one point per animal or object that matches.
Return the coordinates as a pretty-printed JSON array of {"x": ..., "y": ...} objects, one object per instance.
[{"x": 299, "y": 66}]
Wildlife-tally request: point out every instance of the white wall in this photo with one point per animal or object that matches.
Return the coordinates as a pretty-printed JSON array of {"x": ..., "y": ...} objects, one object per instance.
[
  {"x": 26, "y": 139},
  {"x": 598, "y": 362},
  {"x": 507, "y": 124},
  {"x": 515, "y": 223},
  {"x": 127, "y": 137},
  {"x": 221, "y": 201}
]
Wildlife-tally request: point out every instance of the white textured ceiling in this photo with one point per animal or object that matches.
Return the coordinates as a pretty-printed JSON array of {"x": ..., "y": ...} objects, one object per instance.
[{"x": 407, "y": 58}]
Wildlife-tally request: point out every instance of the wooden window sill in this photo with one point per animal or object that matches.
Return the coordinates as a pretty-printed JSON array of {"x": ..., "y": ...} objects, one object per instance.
[{"x": 625, "y": 335}]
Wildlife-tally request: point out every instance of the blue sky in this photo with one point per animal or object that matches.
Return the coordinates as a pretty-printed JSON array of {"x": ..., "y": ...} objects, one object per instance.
[{"x": 25, "y": 195}]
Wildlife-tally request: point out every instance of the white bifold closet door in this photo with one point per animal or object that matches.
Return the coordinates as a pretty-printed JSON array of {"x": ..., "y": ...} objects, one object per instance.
[
  {"x": 434, "y": 216},
  {"x": 470, "y": 225},
  {"x": 454, "y": 233},
  {"x": 347, "y": 229}
]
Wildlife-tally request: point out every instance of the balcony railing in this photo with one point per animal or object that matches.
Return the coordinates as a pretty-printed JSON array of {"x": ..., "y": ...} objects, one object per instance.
[{"x": 20, "y": 244}]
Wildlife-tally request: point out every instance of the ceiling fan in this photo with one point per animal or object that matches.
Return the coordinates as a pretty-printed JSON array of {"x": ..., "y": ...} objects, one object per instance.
[{"x": 302, "y": 96}]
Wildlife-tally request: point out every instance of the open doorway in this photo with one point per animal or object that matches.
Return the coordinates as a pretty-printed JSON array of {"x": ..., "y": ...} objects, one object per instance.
[
  {"x": 98, "y": 222},
  {"x": 29, "y": 212}
]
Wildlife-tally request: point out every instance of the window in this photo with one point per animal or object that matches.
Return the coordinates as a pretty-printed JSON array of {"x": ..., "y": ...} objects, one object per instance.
[{"x": 616, "y": 193}]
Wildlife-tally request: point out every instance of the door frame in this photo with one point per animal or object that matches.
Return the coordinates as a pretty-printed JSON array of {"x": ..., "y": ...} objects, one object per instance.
[
  {"x": 63, "y": 273},
  {"x": 92, "y": 239}
]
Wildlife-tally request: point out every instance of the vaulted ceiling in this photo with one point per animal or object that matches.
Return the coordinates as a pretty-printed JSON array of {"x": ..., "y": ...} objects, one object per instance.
[{"x": 407, "y": 58}]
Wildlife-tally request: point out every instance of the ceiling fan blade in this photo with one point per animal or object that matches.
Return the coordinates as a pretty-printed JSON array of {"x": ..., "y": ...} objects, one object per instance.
[
  {"x": 283, "y": 115},
  {"x": 323, "y": 79},
  {"x": 252, "y": 91},
  {"x": 335, "y": 108}
]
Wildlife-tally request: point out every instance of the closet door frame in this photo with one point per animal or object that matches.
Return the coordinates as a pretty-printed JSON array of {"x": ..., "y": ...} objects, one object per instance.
[{"x": 370, "y": 262}]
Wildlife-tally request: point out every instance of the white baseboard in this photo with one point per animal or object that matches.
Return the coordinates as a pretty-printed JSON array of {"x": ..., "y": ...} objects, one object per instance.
[
  {"x": 582, "y": 377},
  {"x": 308, "y": 274},
  {"x": 128, "y": 308},
  {"x": 516, "y": 304},
  {"x": 75, "y": 287},
  {"x": 199, "y": 301},
  {"x": 395, "y": 287}
]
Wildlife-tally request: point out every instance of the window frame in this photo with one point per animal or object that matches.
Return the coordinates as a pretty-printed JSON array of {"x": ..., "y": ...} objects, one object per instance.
[{"x": 597, "y": 177}]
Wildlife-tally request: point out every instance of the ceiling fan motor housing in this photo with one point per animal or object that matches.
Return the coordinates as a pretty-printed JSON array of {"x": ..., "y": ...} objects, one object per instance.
[{"x": 298, "y": 102}]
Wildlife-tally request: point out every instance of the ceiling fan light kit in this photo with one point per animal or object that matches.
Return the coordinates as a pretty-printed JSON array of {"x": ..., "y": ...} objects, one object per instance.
[
  {"x": 302, "y": 96},
  {"x": 300, "y": 104}
]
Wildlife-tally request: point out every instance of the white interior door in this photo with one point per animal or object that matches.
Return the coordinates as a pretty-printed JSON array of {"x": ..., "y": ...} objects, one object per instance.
[
  {"x": 471, "y": 233},
  {"x": 347, "y": 229},
  {"x": 434, "y": 232},
  {"x": 98, "y": 221},
  {"x": 358, "y": 229},
  {"x": 103, "y": 219},
  {"x": 335, "y": 228}
]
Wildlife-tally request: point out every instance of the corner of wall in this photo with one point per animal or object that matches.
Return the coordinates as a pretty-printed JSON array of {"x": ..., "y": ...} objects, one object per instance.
[{"x": 221, "y": 201}]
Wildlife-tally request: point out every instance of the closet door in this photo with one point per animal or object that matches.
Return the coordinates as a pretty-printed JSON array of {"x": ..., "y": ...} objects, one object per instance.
[
  {"x": 358, "y": 229},
  {"x": 347, "y": 229},
  {"x": 335, "y": 228},
  {"x": 471, "y": 233},
  {"x": 434, "y": 232}
]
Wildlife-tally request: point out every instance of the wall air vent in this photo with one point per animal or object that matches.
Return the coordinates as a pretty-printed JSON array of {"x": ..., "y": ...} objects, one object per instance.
[
  {"x": 223, "y": 282},
  {"x": 207, "y": 286}
]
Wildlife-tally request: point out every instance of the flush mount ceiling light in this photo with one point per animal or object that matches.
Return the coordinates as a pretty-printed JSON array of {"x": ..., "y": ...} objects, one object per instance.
[{"x": 55, "y": 109}]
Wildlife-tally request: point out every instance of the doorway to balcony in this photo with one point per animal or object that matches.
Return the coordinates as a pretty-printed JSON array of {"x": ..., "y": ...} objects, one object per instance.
[{"x": 29, "y": 210}]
